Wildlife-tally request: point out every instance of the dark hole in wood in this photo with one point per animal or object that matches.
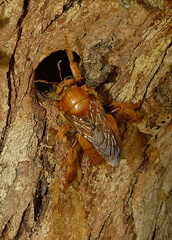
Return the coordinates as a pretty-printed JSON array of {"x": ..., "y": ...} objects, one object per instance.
[{"x": 47, "y": 69}]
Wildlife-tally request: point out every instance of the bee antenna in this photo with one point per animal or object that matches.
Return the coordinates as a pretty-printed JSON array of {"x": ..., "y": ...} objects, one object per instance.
[{"x": 59, "y": 68}]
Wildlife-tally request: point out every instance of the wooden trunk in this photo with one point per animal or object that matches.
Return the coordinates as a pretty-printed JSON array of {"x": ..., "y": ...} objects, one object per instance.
[{"x": 125, "y": 51}]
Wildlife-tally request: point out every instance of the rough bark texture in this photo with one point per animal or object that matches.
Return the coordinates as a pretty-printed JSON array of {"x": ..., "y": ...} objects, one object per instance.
[{"x": 131, "y": 48}]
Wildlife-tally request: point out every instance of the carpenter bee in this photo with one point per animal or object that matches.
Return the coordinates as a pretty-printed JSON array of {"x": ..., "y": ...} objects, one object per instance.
[{"x": 97, "y": 131}]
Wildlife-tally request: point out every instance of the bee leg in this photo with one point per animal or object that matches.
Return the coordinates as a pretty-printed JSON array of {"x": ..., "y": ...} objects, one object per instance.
[
  {"x": 73, "y": 66},
  {"x": 124, "y": 110},
  {"x": 71, "y": 172},
  {"x": 62, "y": 131},
  {"x": 74, "y": 172}
]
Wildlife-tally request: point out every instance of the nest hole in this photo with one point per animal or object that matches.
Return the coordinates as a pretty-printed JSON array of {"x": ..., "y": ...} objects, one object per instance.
[{"x": 48, "y": 69}]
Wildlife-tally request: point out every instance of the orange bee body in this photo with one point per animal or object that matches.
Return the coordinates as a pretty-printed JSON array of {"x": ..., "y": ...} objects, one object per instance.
[
  {"x": 75, "y": 101},
  {"x": 83, "y": 111},
  {"x": 91, "y": 152},
  {"x": 97, "y": 131}
]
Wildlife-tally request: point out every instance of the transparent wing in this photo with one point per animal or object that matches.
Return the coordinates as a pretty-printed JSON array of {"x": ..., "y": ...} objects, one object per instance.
[{"x": 103, "y": 137}]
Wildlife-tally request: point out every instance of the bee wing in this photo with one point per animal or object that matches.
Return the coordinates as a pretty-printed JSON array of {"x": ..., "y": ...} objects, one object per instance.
[
  {"x": 106, "y": 145},
  {"x": 103, "y": 137},
  {"x": 82, "y": 125},
  {"x": 97, "y": 129}
]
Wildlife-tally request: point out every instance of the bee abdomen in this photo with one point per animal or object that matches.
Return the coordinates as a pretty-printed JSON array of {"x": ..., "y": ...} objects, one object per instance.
[{"x": 89, "y": 149}]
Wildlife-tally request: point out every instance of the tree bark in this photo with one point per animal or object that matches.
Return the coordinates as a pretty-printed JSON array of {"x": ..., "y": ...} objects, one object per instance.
[{"x": 126, "y": 53}]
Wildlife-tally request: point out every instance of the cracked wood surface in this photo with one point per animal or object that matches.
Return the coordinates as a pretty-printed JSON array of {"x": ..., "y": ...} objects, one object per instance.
[{"x": 126, "y": 52}]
